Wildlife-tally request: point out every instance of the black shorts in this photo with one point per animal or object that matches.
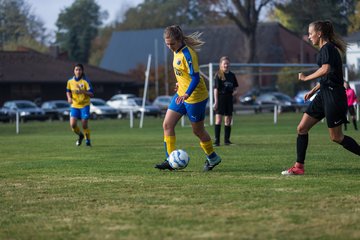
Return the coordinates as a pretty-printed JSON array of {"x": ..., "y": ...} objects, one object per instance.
[
  {"x": 225, "y": 105},
  {"x": 330, "y": 103},
  {"x": 351, "y": 110}
]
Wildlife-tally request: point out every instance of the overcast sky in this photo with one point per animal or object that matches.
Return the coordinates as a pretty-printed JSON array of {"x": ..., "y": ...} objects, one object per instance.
[{"x": 48, "y": 10}]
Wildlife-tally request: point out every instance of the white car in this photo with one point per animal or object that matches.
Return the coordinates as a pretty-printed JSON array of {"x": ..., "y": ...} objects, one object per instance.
[
  {"x": 99, "y": 109},
  {"x": 134, "y": 105},
  {"x": 115, "y": 101}
]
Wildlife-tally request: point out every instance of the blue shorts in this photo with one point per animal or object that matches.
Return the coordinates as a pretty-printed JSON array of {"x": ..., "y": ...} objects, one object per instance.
[
  {"x": 80, "y": 113},
  {"x": 195, "y": 111}
]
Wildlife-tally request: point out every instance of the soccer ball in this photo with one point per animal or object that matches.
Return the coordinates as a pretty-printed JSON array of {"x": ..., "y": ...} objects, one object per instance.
[{"x": 179, "y": 159}]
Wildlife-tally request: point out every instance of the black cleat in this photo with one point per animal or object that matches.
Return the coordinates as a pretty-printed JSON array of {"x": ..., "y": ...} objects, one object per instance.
[
  {"x": 209, "y": 166},
  {"x": 163, "y": 166},
  {"x": 216, "y": 144},
  {"x": 88, "y": 143},
  {"x": 79, "y": 141},
  {"x": 228, "y": 143}
]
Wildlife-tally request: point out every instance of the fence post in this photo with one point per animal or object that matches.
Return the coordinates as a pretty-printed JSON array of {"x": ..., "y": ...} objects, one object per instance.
[
  {"x": 275, "y": 113},
  {"x": 131, "y": 118},
  {"x": 17, "y": 122}
]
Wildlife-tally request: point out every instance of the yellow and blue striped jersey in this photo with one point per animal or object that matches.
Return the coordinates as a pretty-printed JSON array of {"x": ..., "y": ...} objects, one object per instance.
[
  {"x": 186, "y": 68},
  {"x": 79, "y": 100}
]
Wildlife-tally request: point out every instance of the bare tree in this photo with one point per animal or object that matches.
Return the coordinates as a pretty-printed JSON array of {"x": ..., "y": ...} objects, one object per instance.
[{"x": 245, "y": 14}]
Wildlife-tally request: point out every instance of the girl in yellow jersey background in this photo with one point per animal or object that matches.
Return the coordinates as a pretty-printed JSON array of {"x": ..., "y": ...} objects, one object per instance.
[
  {"x": 191, "y": 96},
  {"x": 78, "y": 92}
]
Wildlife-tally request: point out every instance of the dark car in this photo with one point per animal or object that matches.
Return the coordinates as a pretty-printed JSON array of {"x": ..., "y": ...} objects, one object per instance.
[
  {"x": 27, "y": 110},
  {"x": 267, "y": 101},
  {"x": 5, "y": 116},
  {"x": 57, "y": 109},
  {"x": 250, "y": 96}
]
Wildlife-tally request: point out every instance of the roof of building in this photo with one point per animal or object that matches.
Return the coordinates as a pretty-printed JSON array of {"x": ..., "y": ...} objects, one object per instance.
[
  {"x": 127, "y": 49},
  {"x": 32, "y": 66}
]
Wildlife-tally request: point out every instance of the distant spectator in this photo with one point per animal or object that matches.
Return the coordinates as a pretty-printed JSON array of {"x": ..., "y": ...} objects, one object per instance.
[
  {"x": 224, "y": 90},
  {"x": 351, "y": 100}
]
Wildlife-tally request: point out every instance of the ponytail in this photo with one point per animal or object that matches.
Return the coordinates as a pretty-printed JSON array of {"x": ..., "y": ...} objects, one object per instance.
[
  {"x": 327, "y": 30},
  {"x": 193, "y": 40}
]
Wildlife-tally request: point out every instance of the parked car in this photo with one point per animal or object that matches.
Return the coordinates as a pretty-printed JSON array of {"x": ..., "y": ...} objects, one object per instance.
[
  {"x": 99, "y": 109},
  {"x": 299, "y": 98},
  {"x": 135, "y": 105},
  {"x": 27, "y": 110},
  {"x": 250, "y": 96},
  {"x": 56, "y": 109},
  {"x": 5, "y": 115},
  {"x": 116, "y": 100},
  {"x": 162, "y": 102},
  {"x": 267, "y": 101}
]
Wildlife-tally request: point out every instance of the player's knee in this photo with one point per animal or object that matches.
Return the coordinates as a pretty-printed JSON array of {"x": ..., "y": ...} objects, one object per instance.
[
  {"x": 167, "y": 126},
  {"x": 301, "y": 129}
]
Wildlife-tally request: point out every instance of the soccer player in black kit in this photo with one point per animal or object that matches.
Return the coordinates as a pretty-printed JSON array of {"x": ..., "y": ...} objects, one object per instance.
[
  {"x": 331, "y": 101},
  {"x": 224, "y": 90}
]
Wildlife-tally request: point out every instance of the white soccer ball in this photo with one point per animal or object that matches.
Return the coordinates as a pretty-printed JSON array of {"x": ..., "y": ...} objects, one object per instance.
[{"x": 179, "y": 159}]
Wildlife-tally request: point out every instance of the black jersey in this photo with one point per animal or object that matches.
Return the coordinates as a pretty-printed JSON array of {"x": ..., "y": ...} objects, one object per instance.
[
  {"x": 227, "y": 86},
  {"x": 330, "y": 55}
]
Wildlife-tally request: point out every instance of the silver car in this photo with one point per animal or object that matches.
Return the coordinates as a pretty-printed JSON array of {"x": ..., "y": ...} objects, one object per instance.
[
  {"x": 27, "y": 110},
  {"x": 57, "y": 109},
  {"x": 99, "y": 109},
  {"x": 162, "y": 102}
]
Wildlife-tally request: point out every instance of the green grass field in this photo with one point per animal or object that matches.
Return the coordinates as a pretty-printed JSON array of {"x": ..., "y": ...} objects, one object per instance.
[{"x": 51, "y": 189}]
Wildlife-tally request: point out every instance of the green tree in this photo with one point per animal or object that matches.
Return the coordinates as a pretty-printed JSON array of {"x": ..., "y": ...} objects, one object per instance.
[
  {"x": 297, "y": 14},
  {"x": 77, "y": 27},
  {"x": 354, "y": 19},
  {"x": 99, "y": 44},
  {"x": 18, "y": 23},
  {"x": 162, "y": 13},
  {"x": 288, "y": 82}
]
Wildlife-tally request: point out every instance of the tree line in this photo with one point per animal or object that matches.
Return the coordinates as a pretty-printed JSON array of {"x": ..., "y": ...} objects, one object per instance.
[{"x": 81, "y": 34}]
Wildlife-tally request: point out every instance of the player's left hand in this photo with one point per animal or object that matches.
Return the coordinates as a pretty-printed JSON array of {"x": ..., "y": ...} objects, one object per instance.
[{"x": 181, "y": 99}]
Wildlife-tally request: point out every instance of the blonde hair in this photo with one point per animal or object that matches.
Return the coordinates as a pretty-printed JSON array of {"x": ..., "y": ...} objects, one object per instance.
[
  {"x": 193, "y": 40},
  {"x": 327, "y": 30},
  {"x": 221, "y": 73}
]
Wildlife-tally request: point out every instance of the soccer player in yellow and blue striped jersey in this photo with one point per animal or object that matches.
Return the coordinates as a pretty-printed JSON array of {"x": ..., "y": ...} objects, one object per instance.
[
  {"x": 191, "y": 96},
  {"x": 78, "y": 92}
]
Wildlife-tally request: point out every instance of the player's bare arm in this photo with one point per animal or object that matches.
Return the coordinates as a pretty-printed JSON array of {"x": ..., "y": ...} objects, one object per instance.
[{"x": 322, "y": 71}]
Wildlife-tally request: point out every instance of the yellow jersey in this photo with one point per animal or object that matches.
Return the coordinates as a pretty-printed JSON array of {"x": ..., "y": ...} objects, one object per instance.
[
  {"x": 79, "y": 100},
  {"x": 186, "y": 68}
]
